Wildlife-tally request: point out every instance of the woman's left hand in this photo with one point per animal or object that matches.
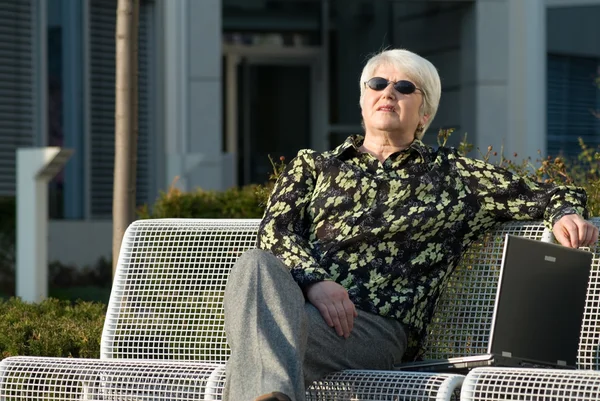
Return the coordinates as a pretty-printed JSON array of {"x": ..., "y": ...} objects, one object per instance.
[{"x": 574, "y": 231}]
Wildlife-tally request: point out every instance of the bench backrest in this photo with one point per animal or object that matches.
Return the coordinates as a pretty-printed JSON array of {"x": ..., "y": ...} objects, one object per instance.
[{"x": 166, "y": 300}]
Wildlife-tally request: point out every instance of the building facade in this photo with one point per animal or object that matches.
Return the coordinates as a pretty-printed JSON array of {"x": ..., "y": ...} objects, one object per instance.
[{"x": 226, "y": 83}]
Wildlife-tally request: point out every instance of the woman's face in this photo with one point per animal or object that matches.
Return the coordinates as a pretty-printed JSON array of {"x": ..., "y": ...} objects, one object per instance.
[{"x": 389, "y": 110}]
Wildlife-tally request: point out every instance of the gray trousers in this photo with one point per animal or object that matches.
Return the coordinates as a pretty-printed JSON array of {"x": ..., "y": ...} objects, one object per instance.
[{"x": 280, "y": 342}]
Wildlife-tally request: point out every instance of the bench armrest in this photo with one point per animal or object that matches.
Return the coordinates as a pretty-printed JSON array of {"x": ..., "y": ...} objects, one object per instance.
[
  {"x": 530, "y": 383},
  {"x": 58, "y": 379},
  {"x": 386, "y": 385}
]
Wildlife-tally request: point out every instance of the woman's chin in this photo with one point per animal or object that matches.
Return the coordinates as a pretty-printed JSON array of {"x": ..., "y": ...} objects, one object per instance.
[{"x": 386, "y": 127}]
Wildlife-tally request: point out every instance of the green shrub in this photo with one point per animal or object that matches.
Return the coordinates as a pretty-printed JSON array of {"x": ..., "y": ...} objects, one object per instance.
[
  {"x": 244, "y": 202},
  {"x": 235, "y": 203},
  {"x": 51, "y": 328},
  {"x": 583, "y": 171}
]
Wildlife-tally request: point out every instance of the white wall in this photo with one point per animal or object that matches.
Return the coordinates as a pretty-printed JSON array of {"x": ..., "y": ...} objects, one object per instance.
[
  {"x": 484, "y": 48},
  {"x": 79, "y": 243},
  {"x": 503, "y": 67},
  {"x": 192, "y": 94}
]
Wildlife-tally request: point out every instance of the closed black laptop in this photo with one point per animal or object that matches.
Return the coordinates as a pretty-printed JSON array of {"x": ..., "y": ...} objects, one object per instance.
[{"x": 538, "y": 310}]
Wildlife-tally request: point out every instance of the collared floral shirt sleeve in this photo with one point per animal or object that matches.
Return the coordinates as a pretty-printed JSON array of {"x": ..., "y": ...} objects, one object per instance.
[
  {"x": 508, "y": 196},
  {"x": 285, "y": 228}
]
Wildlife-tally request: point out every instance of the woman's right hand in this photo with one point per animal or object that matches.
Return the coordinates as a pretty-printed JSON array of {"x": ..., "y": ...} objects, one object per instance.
[{"x": 332, "y": 300}]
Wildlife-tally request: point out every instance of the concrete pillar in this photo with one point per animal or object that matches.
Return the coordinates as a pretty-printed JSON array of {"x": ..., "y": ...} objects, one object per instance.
[
  {"x": 484, "y": 78},
  {"x": 192, "y": 88},
  {"x": 527, "y": 77},
  {"x": 35, "y": 168},
  {"x": 504, "y": 76},
  {"x": 175, "y": 90}
]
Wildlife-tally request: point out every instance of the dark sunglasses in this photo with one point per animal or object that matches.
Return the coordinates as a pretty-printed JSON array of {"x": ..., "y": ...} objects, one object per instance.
[{"x": 404, "y": 87}]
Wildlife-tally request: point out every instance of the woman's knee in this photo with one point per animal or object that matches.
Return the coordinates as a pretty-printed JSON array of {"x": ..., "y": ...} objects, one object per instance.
[
  {"x": 256, "y": 263},
  {"x": 254, "y": 260},
  {"x": 255, "y": 256}
]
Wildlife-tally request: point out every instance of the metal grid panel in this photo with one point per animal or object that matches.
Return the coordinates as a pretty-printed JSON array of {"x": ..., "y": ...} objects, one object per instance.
[
  {"x": 57, "y": 379},
  {"x": 32, "y": 378},
  {"x": 463, "y": 316},
  {"x": 372, "y": 385},
  {"x": 166, "y": 300},
  {"x": 487, "y": 384},
  {"x": 588, "y": 356}
]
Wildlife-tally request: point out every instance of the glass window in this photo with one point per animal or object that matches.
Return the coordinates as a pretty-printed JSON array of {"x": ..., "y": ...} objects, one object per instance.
[
  {"x": 55, "y": 135},
  {"x": 572, "y": 99}
]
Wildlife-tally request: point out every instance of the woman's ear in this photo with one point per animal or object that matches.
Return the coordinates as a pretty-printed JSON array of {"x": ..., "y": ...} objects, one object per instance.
[{"x": 424, "y": 119}]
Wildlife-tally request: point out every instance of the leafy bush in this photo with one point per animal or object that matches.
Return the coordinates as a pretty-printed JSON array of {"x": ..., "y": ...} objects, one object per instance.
[
  {"x": 235, "y": 203},
  {"x": 245, "y": 202},
  {"x": 583, "y": 171},
  {"x": 51, "y": 328}
]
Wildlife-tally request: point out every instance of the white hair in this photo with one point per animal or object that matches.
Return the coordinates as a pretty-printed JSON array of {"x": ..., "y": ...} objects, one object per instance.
[{"x": 418, "y": 69}]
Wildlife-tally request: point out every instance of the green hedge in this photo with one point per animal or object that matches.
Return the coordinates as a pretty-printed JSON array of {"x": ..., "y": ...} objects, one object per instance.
[
  {"x": 51, "y": 328},
  {"x": 244, "y": 202}
]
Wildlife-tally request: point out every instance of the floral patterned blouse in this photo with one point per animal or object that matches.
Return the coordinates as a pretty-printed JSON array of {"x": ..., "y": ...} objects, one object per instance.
[{"x": 391, "y": 233}]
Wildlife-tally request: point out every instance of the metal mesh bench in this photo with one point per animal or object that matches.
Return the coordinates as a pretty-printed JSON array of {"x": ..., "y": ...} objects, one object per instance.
[{"x": 163, "y": 336}]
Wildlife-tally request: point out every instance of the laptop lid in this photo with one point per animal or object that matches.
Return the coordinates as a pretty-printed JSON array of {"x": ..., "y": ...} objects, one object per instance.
[{"x": 540, "y": 303}]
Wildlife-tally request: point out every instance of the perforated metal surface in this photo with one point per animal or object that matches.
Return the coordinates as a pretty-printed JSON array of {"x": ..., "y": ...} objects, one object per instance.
[
  {"x": 57, "y": 379},
  {"x": 166, "y": 300},
  {"x": 487, "y": 384}
]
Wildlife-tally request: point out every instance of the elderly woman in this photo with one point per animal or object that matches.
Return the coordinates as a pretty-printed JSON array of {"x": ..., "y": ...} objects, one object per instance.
[{"x": 357, "y": 243}]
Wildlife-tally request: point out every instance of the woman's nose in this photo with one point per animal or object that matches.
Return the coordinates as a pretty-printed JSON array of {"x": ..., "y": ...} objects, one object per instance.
[{"x": 389, "y": 91}]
